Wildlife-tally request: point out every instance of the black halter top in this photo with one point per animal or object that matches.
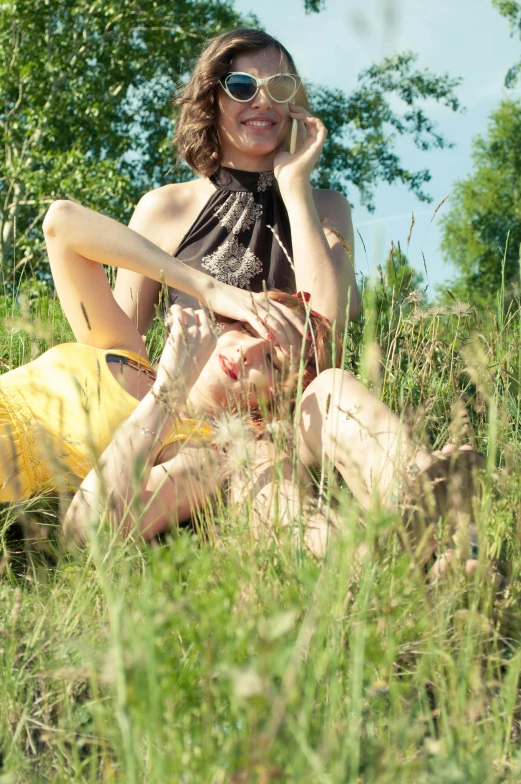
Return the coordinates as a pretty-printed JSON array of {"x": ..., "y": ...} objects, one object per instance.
[{"x": 231, "y": 239}]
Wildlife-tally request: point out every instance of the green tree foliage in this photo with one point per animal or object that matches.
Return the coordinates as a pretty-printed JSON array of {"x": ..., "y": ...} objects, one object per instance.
[
  {"x": 85, "y": 88},
  {"x": 511, "y": 10},
  {"x": 395, "y": 283},
  {"x": 485, "y": 210},
  {"x": 314, "y": 6},
  {"x": 363, "y": 126}
]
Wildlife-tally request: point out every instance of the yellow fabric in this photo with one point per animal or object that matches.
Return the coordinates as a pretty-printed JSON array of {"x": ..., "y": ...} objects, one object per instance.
[{"x": 58, "y": 414}]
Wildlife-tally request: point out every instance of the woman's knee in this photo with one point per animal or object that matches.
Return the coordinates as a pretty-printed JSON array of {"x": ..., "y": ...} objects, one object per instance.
[
  {"x": 329, "y": 389},
  {"x": 58, "y": 213}
]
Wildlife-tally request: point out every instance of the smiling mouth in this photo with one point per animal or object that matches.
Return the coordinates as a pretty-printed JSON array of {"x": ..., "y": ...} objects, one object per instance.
[
  {"x": 258, "y": 125},
  {"x": 228, "y": 367}
]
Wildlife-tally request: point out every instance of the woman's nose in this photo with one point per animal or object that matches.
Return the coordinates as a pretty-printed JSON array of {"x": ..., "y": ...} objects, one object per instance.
[{"x": 262, "y": 98}]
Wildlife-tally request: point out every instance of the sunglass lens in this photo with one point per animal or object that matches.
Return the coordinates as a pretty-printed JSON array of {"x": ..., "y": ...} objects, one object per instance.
[
  {"x": 241, "y": 87},
  {"x": 282, "y": 87}
]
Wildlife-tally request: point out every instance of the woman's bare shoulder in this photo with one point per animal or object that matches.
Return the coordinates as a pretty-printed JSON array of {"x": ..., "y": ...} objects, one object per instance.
[
  {"x": 174, "y": 197},
  {"x": 333, "y": 210},
  {"x": 329, "y": 201},
  {"x": 165, "y": 214}
]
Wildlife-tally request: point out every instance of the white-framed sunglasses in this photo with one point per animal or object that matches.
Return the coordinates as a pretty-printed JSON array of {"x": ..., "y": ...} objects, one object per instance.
[{"x": 243, "y": 87}]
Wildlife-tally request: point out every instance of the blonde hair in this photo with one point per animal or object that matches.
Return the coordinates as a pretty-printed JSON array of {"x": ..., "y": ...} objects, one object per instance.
[{"x": 196, "y": 137}]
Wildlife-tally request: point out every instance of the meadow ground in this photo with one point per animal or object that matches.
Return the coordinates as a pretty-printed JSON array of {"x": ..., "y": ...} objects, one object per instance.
[{"x": 227, "y": 660}]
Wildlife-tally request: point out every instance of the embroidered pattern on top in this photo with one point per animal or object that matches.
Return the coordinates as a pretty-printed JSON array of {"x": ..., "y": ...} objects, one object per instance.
[
  {"x": 232, "y": 263},
  {"x": 238, "y": 212},
  {"x": 265, "y": 181}
]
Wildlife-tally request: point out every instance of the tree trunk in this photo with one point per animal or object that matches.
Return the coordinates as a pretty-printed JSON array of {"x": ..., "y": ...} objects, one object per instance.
[{"x": 9, "y": 222}]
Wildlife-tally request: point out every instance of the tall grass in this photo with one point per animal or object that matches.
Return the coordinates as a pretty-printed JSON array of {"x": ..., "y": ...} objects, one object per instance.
[{"x": 248, "y": 661}]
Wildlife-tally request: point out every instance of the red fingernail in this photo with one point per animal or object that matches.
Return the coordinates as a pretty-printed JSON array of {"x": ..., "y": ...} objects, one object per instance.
[
  {"x": 269, "y": 336},
  {"x": 308, "y": 335}
]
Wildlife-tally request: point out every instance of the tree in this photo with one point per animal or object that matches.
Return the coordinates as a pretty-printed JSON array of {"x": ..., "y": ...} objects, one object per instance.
[
  {"x": 85, "y": 87},
  {"x": 485, "y": 210},
  {"x": 511, "y": 10},
  {"x": 395, "y": 283},
  {"x": 362, "y": 127},
  {"x": 85, "y": 90}
]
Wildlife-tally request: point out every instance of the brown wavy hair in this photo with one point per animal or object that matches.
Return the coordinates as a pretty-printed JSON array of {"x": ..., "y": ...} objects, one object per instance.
[{"x": 196, "y": 138}]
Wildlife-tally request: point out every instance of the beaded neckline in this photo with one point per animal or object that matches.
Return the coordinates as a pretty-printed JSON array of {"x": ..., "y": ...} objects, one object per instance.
[{"x": 229, "y": 179}]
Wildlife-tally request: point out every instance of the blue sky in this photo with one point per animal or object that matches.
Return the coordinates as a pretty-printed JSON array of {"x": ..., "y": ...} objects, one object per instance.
[{"x": 466, "y": 38}]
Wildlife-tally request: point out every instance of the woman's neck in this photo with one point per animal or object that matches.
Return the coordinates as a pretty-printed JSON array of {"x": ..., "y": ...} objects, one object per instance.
[{"x": 250, "y": 163}]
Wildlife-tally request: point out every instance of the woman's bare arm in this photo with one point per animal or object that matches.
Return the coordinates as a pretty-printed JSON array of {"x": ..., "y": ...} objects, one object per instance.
[
  {"x": 138, "y": 495},
  {"x": 137, "y": 295},
  {"x": 323, "y": 266},
  {"x": 77, "y": 236},
  {"x": 155, "y": 215},
  {"x": 165, "y": 495}
]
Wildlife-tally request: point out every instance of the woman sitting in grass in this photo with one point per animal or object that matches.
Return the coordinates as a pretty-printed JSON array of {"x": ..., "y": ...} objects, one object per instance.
[
  {"x": 230, "y": 228},
  {"x": 95, "y": 413},
  {"x": 250, "y": 217}
]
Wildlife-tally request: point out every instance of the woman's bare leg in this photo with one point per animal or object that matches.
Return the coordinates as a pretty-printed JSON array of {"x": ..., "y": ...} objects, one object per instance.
[
  {"x": 367, "y": 443},
  {"x": 381, "y": 463}
]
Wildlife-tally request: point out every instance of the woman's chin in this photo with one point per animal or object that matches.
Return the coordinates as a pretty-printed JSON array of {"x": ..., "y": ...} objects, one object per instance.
[{"x": 261, "y": 147}]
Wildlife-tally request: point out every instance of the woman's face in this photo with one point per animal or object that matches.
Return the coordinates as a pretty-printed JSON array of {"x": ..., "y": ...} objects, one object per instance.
[
  {"x": 244, "y": 144},
  {"x": 243, "y": 369}
]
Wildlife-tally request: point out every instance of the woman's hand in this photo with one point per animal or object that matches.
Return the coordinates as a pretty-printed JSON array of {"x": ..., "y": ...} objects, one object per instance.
[
  {"x": 291, "y": 170},
  {"x": 266, "y": 317},
  {"x": 189, "y": 345}
]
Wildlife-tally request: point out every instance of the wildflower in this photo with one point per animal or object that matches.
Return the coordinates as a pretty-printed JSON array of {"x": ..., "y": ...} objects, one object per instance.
[
  {"x": 280, "y": 430},
  {"x": 415, "y": 297},
  {"x": 461, "y": 309},
  {"x": 437, "y": 310},
  {"x": 241, "y": 454},
  {"x": 418, "y": 314},
  {"x": 229, "y": 429}
]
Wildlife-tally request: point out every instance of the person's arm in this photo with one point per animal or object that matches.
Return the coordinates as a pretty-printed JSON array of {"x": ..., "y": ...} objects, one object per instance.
[
  {"x": 323, "y": 266},
  {"x": 160, "y": 496},
  {"x": 136, "y": 294},
  {"x": 77, "y": 236},
  {"x": 278, "y": 498},
  {"x": 139, "y": 496}
]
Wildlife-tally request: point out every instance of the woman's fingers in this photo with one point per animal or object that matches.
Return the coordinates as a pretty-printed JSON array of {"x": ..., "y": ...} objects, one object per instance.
[
  {"x": 284, "y": 315},
  {"x": 316, "y": 131},
  {"x": 173, "y": 316},
  {"x": 283, "y": 325},
  {"x": 289, "y": 315},
  {"x": 282, "y": 331},
  {"x": 256, "y": 319},
  {"x": 187, "y": 317},
  {"x": 201, "y": 318},
  {"x": 205, "y": 328}
]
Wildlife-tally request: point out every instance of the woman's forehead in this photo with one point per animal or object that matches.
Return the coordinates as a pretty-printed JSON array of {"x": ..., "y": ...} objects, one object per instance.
[{"x": 265, "y": 62}]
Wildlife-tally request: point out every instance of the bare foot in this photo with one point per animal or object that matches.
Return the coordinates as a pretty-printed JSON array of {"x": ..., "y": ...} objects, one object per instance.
[
  {"x": 447, "y": 489},
  {"x": 446, "y": 565}
]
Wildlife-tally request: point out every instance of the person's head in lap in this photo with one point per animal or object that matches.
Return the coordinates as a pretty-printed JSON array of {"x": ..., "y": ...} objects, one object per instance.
[
  {"x": 224, "y": 116},
  {"x": 250, "y": 374}
]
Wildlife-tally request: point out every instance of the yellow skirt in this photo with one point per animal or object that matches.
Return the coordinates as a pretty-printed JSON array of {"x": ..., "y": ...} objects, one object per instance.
[
  {"x": 32, "y": 460},
  {"x": 16, "y": 482}
]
